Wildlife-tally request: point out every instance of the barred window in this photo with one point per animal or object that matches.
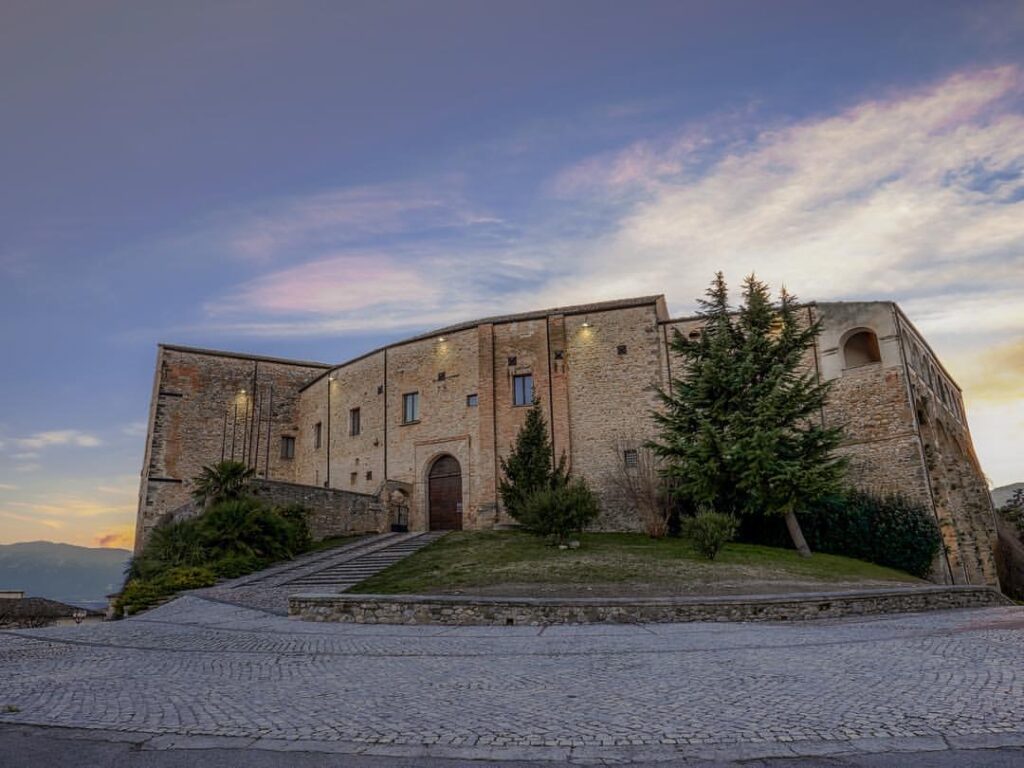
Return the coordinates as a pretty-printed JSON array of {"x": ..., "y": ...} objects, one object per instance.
[{"x": 631, "y": 457}]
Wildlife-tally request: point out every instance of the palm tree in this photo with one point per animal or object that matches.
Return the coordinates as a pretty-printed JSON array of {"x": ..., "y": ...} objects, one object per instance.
[{"x": 221, "y": 482}]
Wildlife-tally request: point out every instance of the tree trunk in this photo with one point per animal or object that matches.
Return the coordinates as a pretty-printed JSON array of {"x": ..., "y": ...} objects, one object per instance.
[{"x": 797, "y": 535}]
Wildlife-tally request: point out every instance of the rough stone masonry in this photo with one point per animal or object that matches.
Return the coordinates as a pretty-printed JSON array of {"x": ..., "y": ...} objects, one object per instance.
[{"x": 413, "y": 432}]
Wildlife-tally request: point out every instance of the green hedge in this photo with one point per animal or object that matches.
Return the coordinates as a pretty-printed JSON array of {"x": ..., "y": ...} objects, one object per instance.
[{"x": 890, "y": 531}]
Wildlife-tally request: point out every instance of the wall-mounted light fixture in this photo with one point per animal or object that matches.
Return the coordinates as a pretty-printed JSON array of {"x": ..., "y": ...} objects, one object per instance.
[
  {"x": 586, "y": 322},
  {"x": 442, "y": 339}
]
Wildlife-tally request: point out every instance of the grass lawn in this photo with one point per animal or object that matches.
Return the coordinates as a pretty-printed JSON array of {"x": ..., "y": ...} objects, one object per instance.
[{"x": 517, "y": 564}]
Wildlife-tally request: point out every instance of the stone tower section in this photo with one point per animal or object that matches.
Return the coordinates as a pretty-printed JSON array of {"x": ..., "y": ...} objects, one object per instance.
[
  {"x": 208, "y": 406},
  {"x": 906, "y": 429}
]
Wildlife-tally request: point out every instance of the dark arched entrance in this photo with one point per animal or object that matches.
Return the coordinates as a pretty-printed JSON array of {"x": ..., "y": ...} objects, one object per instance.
[{"x": 444, "y": 494}]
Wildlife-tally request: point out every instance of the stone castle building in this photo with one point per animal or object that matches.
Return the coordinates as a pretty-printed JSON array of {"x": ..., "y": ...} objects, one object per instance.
[{"x": 411, "y": 433}]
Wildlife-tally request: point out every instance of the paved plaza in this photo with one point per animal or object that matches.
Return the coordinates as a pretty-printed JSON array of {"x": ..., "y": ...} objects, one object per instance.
[{"x": 199, "y": 672}]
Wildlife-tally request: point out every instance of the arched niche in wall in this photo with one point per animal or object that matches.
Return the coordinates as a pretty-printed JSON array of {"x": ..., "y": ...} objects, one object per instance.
[{"x": 860, "y": 348}]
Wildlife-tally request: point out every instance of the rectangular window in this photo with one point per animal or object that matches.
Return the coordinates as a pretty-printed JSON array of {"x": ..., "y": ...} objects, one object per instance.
[
  {"x": 353, "y": 422},
  {"x": 287, "y": 447},
  {"x": 523, "y": 389},
  {"x": 318, "y": 431},
  {"x": 353, "y": 476},
  {"x": 631, "y": 457},
  {"x": 410, "y": 407},
  {"x": 472, "y": 401}
]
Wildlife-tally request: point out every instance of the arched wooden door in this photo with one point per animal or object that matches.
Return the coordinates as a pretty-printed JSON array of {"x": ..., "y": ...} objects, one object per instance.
[{"x": 444, "y": 493}]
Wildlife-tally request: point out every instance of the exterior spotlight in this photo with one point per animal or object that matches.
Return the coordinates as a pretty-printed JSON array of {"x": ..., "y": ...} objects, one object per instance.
[
  {"x": 586, "y": 322},
  {"x": 442, "y": 339},
  {"x": 241, "y": 391}
]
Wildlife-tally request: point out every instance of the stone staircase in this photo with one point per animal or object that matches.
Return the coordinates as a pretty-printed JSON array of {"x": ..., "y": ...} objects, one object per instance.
[
  {"x": 327, "y": 572},
  {"x": 368, "y": 561}
]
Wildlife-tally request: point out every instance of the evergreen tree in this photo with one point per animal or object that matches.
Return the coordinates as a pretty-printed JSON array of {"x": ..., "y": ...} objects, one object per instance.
[
  {"x": 741, "y": 427},
  {"x": 530, "y": 466}
]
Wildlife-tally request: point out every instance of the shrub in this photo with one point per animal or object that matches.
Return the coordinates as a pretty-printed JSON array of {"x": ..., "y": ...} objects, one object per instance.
[
  {"x": 180, "y": 543},
  {"x": 710, "y": 531},
  {"x": 235, "y": 564},
  {"x": 247, "y": 527},
  {"x": 560, "y": 511},
  {"x": 140, "y": 594},
  {"x": 230, "y": 539},
  {"x": 300, "y": 539},
  {"x": 887, "y": 530}
]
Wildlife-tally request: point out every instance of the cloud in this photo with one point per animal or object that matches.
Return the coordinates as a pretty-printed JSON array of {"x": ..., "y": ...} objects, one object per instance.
[
  {"x": 343, "y": 217},
  {"x": 75, "y": 507},
  {"x": 71, "y": 437},
  {"x": 910, "y": 195},
  {"x": 135, "y": 429},
  {"x": 994, "y": 374},
  {"x": 47, "y": 522},
  {"x": 8, "y": 487},
  {"x": 119, "y": 539}
]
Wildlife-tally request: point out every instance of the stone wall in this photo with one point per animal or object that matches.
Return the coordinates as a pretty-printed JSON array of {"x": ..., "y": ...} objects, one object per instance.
[
  {"x": 208, "y": 406},
  {"x": 457, "y": 610},
  {"x": 957, "y": 486},
  {"x": 332, "y": 512}
]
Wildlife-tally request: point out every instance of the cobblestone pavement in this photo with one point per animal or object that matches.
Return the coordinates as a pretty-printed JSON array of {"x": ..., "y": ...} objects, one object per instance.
[{"x": 193, "y": 667}]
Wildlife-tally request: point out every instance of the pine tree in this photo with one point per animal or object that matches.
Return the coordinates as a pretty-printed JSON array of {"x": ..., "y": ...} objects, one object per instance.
[
  {"x": 530, "y": 466},
  {"x": 741, "y": 429}
]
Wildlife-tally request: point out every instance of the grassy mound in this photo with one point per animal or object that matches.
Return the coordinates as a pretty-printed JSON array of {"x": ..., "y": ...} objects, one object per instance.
[{"x": 516, "y": 564}]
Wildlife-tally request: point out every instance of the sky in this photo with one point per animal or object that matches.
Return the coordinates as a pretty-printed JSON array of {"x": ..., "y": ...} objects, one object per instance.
[{"x": 313, "y": 179}]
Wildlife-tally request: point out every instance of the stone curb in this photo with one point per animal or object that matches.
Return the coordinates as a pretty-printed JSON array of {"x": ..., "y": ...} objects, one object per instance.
[
  {"x": 535, "y": 611},
  {"x": 587, "y": 754}
]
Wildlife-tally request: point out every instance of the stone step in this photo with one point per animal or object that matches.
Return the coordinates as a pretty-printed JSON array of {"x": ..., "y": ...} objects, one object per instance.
[{"x": 341, "y": 576}]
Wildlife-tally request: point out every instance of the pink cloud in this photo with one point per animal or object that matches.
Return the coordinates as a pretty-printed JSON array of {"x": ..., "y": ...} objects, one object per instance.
[{"x": 332, "y": 286}]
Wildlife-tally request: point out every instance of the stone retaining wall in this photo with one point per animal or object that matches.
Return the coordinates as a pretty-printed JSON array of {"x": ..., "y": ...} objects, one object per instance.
[
  {"x": 445, "y": 609},
  {"x": 332, "y": 512}
]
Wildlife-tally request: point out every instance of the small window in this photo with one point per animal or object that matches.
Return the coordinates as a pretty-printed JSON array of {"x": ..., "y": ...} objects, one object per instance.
[
  {"x": 380, "y": 389},
  {"x": 631, "y": 457},
  {"x": 353, "y": 422},
  {"x": 410, "y": 407},
  {"x": 694, "y": 335},
  {"x": 441, "y": 376},
  {"x": 472, "y": 401},
  {"x": 622, "y": 349},
  {"x": 318, "y": 431},
  {"x": 287, "y": 447},
  {"x": 369, "y": 474},
  {"x": 559, "y": 354},
  {"x": 861, "y": 349},
  {"x": 512, "y": 360},
  {"x": 353, "y": 476},
  {"x": 523, "y": 389}
]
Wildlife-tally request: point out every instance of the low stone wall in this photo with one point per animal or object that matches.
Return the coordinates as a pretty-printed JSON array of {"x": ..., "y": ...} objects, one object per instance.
[
  {"x": 445, "y": 609},
  {"x": 332, "y": 512}
]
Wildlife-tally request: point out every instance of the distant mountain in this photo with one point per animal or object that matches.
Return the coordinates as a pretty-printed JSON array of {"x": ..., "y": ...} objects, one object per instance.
[
  {"x": 1004, "y": 493},
  {"x": 76, "y": 575}
]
